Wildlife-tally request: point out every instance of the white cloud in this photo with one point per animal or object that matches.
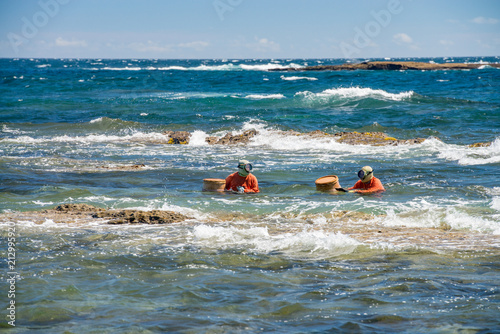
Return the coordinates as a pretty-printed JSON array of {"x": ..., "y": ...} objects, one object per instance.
[
  {"x": 402, "y": 38},
  {"x": 74, "y": 43},
  {"x": 150, "y": 46},
  {"x": 484, "y": 20},
  {"x": 197, "y": 45},
  {"x": 264, "y": 45}
]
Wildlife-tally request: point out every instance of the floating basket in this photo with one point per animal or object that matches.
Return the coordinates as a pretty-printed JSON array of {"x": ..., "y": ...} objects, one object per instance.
[
  {"x": 214, "y": 184},
  {"x": 327, "y": 183}
]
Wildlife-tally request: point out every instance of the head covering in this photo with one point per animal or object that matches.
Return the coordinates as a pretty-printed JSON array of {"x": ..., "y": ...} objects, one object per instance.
[
  {"x": 244, "y": 168},
  {"x": 365, "y": 174}
]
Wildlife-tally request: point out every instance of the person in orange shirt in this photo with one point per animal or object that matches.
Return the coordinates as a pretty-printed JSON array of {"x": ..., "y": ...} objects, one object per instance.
[
  {"x": 242, "y": 181},
  {"x": 367, "y": 183}
]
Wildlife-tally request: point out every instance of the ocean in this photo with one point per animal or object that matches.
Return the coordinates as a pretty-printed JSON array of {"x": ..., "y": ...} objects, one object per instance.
[{"x": 421, "y": 257}]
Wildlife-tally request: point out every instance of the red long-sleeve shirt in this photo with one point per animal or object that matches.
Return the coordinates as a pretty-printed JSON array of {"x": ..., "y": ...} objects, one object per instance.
[
  {"x": 369, "y": 187},
  {"x": 249, "y": 182}
]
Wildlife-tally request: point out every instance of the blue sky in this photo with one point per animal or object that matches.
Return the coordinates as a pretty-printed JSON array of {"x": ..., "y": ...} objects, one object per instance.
[{"x": 249, "y": 28}]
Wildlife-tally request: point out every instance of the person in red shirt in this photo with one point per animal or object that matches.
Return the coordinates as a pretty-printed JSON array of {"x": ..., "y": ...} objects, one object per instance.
[
  {"x": 242, "y": 181},
  {"x": 367, "y": 183}
]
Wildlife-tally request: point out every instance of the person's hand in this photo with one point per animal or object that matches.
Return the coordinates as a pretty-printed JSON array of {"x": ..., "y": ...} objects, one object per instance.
[
  {"x": 241, "y": 190},
  {"x": 344, "y": 190}
]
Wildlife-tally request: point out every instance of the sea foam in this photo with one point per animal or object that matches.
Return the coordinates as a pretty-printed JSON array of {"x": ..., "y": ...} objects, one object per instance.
[{"x": 356, "y": 92}]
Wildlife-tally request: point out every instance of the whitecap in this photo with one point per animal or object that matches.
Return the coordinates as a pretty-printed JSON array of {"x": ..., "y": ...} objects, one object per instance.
[
  {"x": 264, "y": 96},
  {"x": 356, "y": 92},
  {"x": 466, "y": 155},
  {"x": 295, "y": 78}
]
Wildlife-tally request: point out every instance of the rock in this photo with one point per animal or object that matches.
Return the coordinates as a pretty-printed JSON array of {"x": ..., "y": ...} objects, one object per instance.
[
  {"x": 230, "y": 139},
  {"x": 76, "y": 208},
  {"x": 359, "y": 138},
  {"x": 388, "y": 65},
  {"x": 63, "y": 213},
  {"x": 140, "y": 217},
  {"x": 481, "y": 144},
  {"x": 178, "y": 137},
  {"x": 373, "y": 139}
]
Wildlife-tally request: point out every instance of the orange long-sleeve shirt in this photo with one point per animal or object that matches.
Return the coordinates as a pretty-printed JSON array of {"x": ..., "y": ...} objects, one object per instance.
[
  {"x": 249, "y": 182},
  {"x": 369, "y": 187}
]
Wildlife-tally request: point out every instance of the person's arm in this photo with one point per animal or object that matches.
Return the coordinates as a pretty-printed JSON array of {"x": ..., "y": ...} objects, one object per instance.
[
  {"x": 253, "y": 185},
  {"x": 357, "y": 185}
]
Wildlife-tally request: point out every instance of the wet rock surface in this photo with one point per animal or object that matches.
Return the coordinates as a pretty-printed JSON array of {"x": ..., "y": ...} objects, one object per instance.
[
  {"x": 374, "y": 139},
  {"x": 140, "y": 217},
  {"x": 487, "y": 144},
  {"x": 360, "y": 138},
  {"x": 72, "y": 212},
  {"x": 178, "y": 137},
  {"x": 230, "y": 139}
]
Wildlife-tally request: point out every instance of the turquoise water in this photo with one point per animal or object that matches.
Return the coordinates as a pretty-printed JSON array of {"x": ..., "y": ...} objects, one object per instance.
[{"x": 278, "y": 261}]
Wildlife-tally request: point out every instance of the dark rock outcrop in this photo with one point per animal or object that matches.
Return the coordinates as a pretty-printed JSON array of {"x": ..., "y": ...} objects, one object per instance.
[{"x": 388, "y": 65}]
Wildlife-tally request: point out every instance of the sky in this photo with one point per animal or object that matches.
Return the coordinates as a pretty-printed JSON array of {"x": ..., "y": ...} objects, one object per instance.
[{"x": 247, "y": 29}]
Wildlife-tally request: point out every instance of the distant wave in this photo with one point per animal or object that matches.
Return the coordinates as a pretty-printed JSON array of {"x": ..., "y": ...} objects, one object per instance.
[
  {"x": 223, "y": 67},
  {"x": 265, "y": 96},
  {"x": 357, "y": 92},
  {"x": 295, "y": 78}
]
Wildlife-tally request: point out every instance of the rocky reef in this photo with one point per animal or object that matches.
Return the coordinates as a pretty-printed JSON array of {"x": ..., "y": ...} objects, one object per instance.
[
  {"x": 351, "y": 138},
  {"x": 388, "y": 65},
  {"x": 75, "y": 212},
  {"x": 360, "y": 138}
]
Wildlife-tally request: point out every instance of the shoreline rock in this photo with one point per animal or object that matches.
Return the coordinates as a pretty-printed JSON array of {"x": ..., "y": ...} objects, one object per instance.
[
  {"x": 387, "y": 66},
  {"x": 360, "y": 138},
  {"x": 230, "y": 139},
  {"x": 68, "y": 212}
]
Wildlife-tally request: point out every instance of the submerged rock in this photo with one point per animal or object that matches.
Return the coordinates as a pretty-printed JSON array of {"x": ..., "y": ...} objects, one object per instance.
[{"x": 128, "y": 168}]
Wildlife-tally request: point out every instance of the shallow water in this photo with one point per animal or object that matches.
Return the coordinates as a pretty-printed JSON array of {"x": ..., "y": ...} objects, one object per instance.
[{"x": 281, "y": 260}]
